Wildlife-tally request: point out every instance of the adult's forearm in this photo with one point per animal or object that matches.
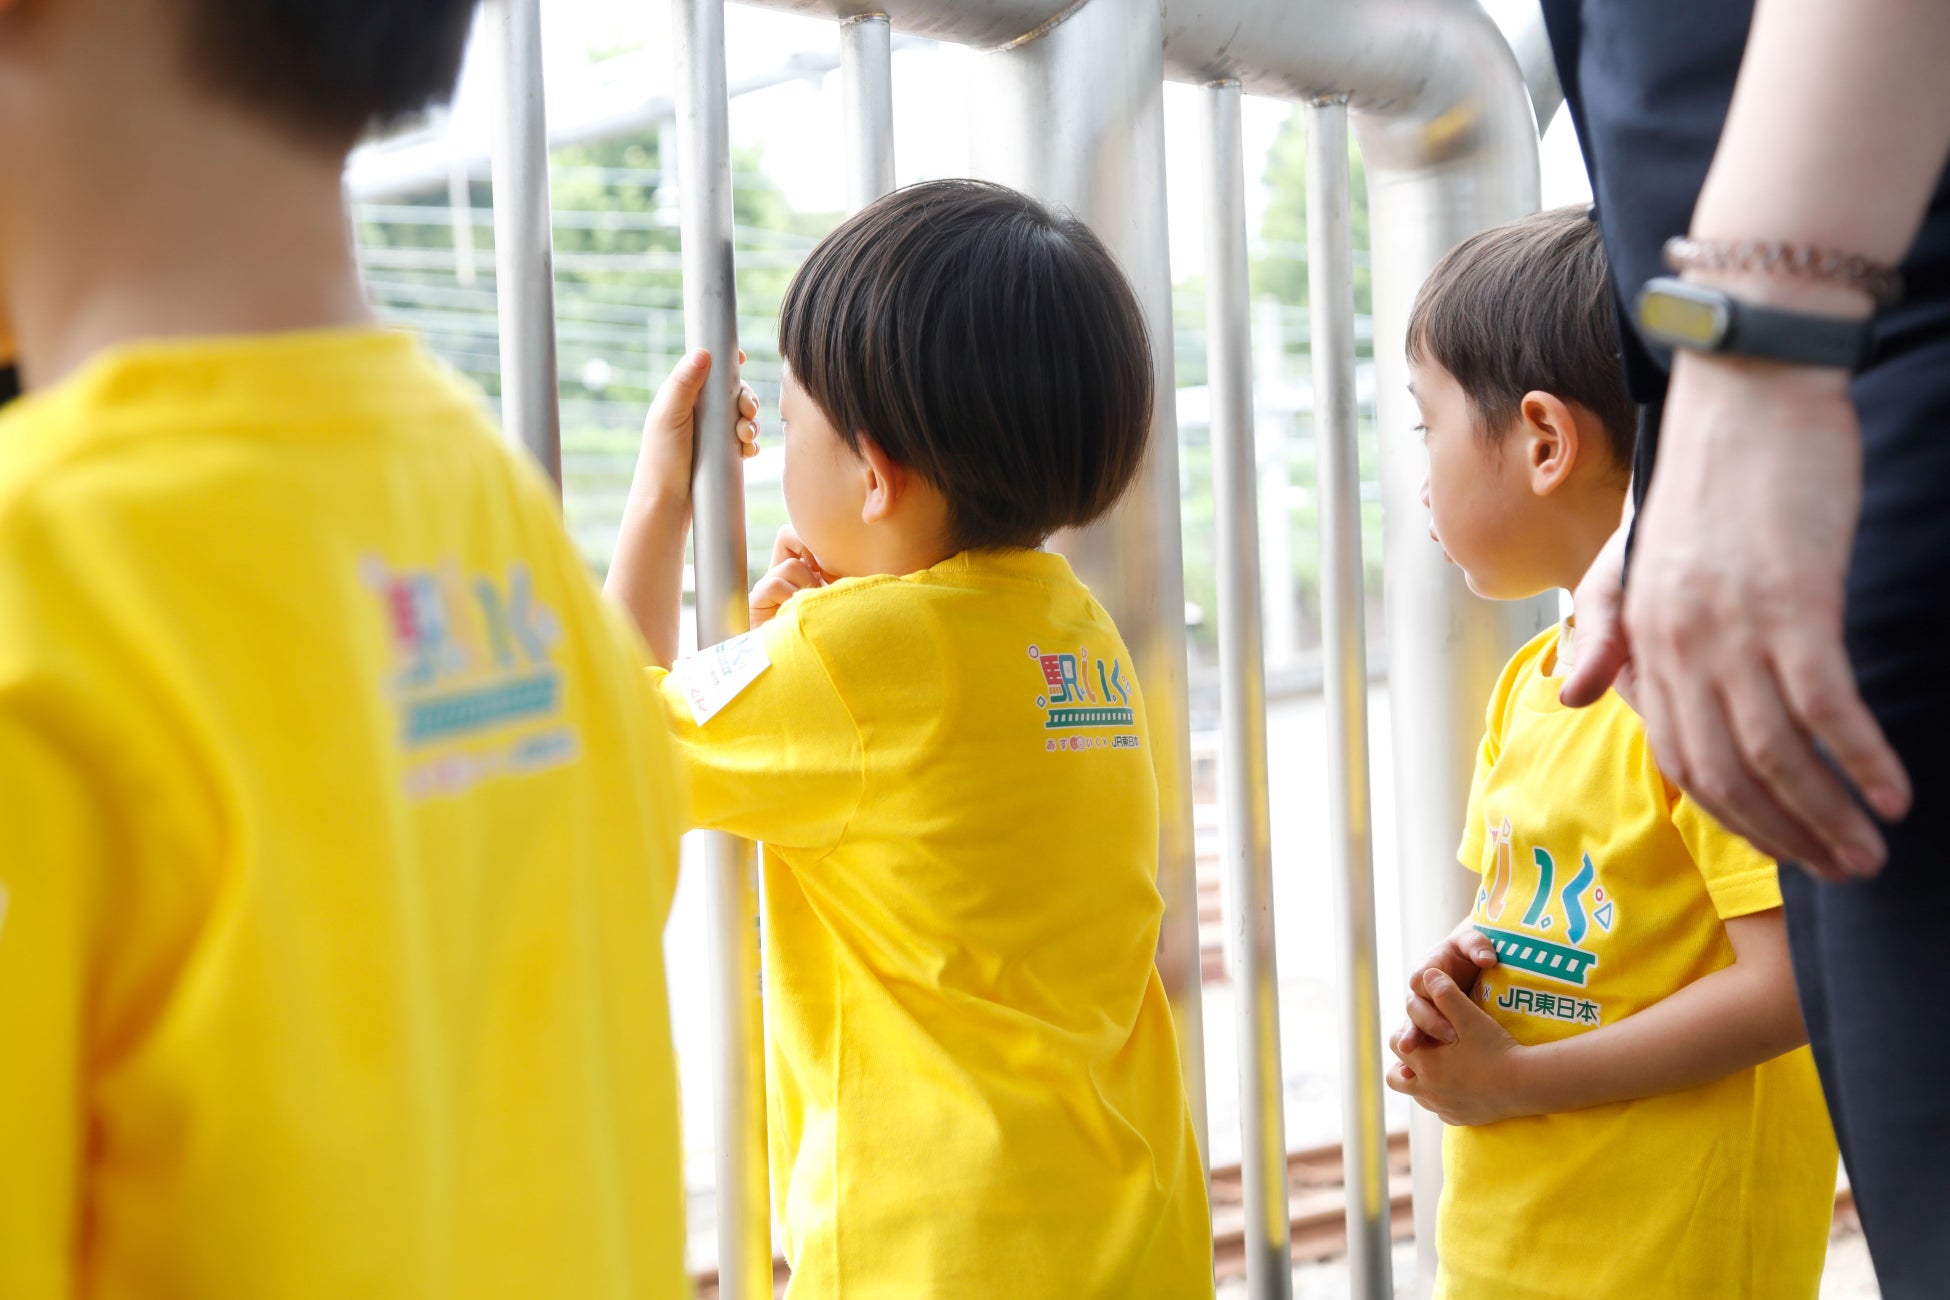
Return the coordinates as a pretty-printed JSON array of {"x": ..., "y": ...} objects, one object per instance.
[{"x": 1837, "y": 135}]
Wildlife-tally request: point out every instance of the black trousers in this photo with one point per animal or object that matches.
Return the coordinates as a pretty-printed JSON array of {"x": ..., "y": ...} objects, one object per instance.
[{"x": 1869, "y": 955}]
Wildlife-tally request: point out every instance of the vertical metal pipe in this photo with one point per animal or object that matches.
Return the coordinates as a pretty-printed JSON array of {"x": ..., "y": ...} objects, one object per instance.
[
  {"x": 1426, "y": 192},
  {"x": 1330, "y": 279},
  {"x": 460, "y": 209},
  {"x": 1242, "y": 704},
  {"x": 1279, "y": 611},
  {"x": 524, "y": 250},
  {"x": 1076, "y": 117},
  {"x": 711, "y": 322},
  {"x": 867, "y": 90}
]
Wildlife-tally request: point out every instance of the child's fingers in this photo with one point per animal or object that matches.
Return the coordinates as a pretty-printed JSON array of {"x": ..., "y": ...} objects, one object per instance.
[
  {"x": 1401, "y": 1079},
  {"x": 1408, "y": 1039},
  {"x": 748, "y": 438},
  {"x": 747, "y": 402},
  {"x": 788, "y": 546},
  {"x": 1423, "y": 1014},
  {"x": 797, "y": 574},
  {"x": 777, "y": 587},
  {"x": 677, "y": 397},
  {"x": 1456, "y": 1006},
  {"x": 767, "y": 596}
]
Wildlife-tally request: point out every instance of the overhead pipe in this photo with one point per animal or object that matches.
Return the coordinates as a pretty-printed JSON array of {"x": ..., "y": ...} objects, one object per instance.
[
  {"x": 718, "y": 538},
  {"x": 524, "y": 249},
  {"x": 1248, "y": 839},
  {"x": 1530, "y": 42}
]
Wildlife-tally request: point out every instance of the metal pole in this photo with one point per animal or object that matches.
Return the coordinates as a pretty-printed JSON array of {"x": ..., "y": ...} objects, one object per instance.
[
  {"x": 1330, "y": 262},
  {"x": 1242, "y": 705},
  {"x": 1279, "y": 612},
  {"x": 1076, "y": 117},
  {"x": 1445, "y": 645},
  {"x": 524, "y": 253},
  {"x": 711, "y": 322},
  {"x": 460, "y": 209},
  {"x": 867, "y": 89}
]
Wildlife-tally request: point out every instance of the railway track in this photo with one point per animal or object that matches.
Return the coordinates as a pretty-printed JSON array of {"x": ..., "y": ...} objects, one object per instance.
[
  {"x": 1314, "y": 1192},
  {"x": 1316, "y": 1202}
]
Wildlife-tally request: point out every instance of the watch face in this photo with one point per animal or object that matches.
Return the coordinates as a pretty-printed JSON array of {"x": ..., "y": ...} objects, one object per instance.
[{"x": 1682, "y": 316}]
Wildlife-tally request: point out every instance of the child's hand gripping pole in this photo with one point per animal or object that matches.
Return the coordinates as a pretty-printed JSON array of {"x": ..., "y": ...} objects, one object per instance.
[
  {"x": 663, "y": 465},
  {"x": 646, "y": 575}
]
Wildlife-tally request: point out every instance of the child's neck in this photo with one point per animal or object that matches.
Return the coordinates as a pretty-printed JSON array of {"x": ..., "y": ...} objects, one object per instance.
[
  {"x": 212, "y": 225},
  {"x": 1585, "y": 532},
  {"x": 905, "y": 553},
  {"x": 916, "y": 533}
]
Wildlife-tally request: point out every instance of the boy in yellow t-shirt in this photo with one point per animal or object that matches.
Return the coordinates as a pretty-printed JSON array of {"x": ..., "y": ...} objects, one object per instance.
[
  {"x": 334, "y": 845},
  {"x": 974, "y": 1083},
  {"x": 1613, "y": 1031}
]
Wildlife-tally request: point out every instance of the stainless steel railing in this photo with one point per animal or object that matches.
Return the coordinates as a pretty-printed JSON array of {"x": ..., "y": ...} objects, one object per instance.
[{"x": 1071, "y": 93}]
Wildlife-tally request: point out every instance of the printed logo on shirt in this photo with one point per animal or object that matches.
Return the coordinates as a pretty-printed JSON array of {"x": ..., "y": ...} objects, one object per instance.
[
  {"x": 1582, "y": 903},
  {"x": 474, "y": 656},
  {"x": 1542, "y": 1005},
  {"x": 1071, "y": 703}
]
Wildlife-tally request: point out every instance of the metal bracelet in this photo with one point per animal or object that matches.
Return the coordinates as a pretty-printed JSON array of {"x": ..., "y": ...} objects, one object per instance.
[{"x": 1880, "y": 282}]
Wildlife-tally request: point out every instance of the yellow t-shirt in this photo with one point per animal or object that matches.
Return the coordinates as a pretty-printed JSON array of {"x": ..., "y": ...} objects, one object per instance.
[
  {"x": 334, "y": 849},
  {"x": 1605, "y": 891},
  {"x": 972, "y": 1074}
]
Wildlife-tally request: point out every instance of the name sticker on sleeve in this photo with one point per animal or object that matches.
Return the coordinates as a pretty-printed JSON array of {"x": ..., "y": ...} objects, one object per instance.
[{"x": 715, "y": 675}]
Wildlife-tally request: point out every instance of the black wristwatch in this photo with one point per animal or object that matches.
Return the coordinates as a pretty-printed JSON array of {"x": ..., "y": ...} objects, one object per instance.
[{"x": 1699, "y": 319}]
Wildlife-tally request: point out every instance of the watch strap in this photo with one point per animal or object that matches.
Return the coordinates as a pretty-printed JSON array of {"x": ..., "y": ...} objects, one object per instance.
[
  {"x": 1700, "y": 318},
  {"x": 1796, "y": 337}
]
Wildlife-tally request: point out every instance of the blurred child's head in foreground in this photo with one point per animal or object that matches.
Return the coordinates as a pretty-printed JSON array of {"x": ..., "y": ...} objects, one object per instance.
[
  {"x": 128, "y": 127},
  {"x": 1514, "y": 363},
  {"x": 960, "y": 361}
]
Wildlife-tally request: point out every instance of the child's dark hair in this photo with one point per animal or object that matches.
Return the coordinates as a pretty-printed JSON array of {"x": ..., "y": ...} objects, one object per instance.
[
  {"x": 985, "y": 342},
  {"x": 1527, "y": 307},
  {"x": 329, "y": 69}
]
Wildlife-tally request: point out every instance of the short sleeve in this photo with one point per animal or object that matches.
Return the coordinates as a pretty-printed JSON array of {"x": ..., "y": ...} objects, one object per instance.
[
  {"x": 771, "y": 755},
  {"x": 1470, "y": 853},
  {"x": 1741, "y": 879},
  {"x": 52, "y": 854}
]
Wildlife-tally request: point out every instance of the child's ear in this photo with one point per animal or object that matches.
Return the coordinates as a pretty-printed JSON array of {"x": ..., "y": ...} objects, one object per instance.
[
  {"x": 886, "y": 482},
  {"x": 1550, "y": 436}
]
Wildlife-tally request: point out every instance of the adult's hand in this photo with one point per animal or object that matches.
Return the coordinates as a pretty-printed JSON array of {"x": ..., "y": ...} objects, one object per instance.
[
  {"x": 1734, "y": 613},
  {"x": 1603, "y": 648}
]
